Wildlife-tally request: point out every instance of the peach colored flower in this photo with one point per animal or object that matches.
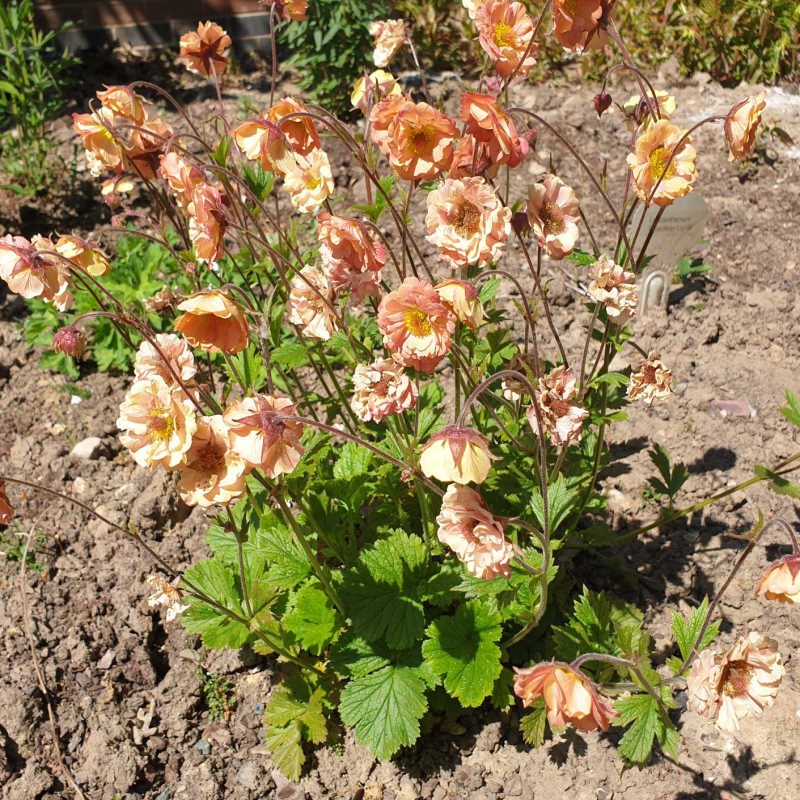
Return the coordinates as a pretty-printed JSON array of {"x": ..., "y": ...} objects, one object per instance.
[
  {"x": 157, "y": 423},
  {"x": 781, "y": 581},
  {"x": 6, "y": 509},
  {"x": 167, "y": 595},
  {"x": 553, "y": 212},
  {"x": 420, "y": 141},
  {"x": 615, "y": 289},
  {"x": 652, "y": 381},
  {"x": 290, "y": 115},
  {"x": 505, "y": 29},
  {"x": 212, "y": 322},
  {"x": 123, "y": 101},
  {"x": 456, "y": 455},
  {"x": 310, "y": 304},
  {"x": 112, "y": 188},
  {"x": 310, "y": 181},
  {"x": 390, "y": 36},
  {"x": 373, "y": 88},
  {"x": 381, "y": 120},
  {"x": 290, "y": 10},
  {"x": 261, "y": 434},
  {"x": 416, "y": 325},
  {"x": 31, "y": 269},
  {"x": 183, "y": 178},
  {"x": 570, "y": 698},
  {"x": 173, "y": 357},
  {"x": 562, "y": 420},
  {"x": 575, "y": 22},
  {"x": 351, "y": 254},
  {"x": 662, "y": 164},
  {"x": 467, "y": 222},
  {"x": 514, "y": 389},
  {"x": 103, "y": 151},
  {"x": 380, "y": 389},
  {"x": 739, "y": 683},
  {"x": 741, "y": 125},
  {"x": 493, "y": 129},
  {"x": 70, "y": 341},
  {"x": 211, "y": 472},
  {"x": 461, "y": 297},
  {"x": 84, "y": 255},
  {"x": 638, "y": 107},
  {"x": 468, "y": 528},
  {"x": 205, "y": 52},
  {"x": 207, "y": 222}
]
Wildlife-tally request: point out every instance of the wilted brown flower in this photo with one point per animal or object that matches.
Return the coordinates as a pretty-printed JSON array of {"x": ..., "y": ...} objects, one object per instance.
[
  {"x": 615, "y": 289},
  {"x": 651, "y": 381},
  {"x": 380, "y": 389},
  {"x": 741, "y": 125},
  {"x": 562, "y": 420}
]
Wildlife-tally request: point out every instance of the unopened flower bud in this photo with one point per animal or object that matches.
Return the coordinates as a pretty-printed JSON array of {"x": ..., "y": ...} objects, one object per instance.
[
  {"x": 520, "y": 222},
  {"x": 602, "y": 101},
  {"x": 69, "y": 341}
]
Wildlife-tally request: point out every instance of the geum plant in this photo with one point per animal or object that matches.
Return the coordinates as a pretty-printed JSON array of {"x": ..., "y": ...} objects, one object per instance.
[{"x": 401, "y": 462}]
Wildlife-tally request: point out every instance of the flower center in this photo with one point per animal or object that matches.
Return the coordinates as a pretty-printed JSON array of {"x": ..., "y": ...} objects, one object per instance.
[
  {"x": 658, "y": 164},
  {"x": 162, "y": 424},
  {"x": 504, "y": 35},
  {"x": 736, "y": 678},
  {"x": 552, "y": 219},
  {"x": 421, "y": 139},
  {"x": 211, "y": 458},
  {"x": 467, "y": 219},
  {"x": 417, "y": 322}
]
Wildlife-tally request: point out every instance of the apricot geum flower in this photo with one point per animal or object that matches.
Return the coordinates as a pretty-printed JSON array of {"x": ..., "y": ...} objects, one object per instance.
[
  {"x": 309, "y": 181},
  {"x": 310, "y": 304},
  {"x": 494, "y": 131},
  {"x": 380, "y": 389},
  {"x": 652, "y": 381},
  {"x": 570, "y": 697},
  {"x": 167, "y": 595},
  {"x": 83, "y": 254},
  {"x": 456, "y": 455},
  {"x": 576, "y": 22},
  {"x": 263, "y": 436},
  {"x": 461, "y": 297},
  {"x": 212, "y": 322},
  {"x": 289, "y": 10},
  {"x": 205, "y": 51},
  {"x": 467, "y": 222},
  {"x": 390, "y": 35},
  {"x": 182, "y": 177},
  {"x": 662, "y": 164},
  {"x": 553, "y": 213},
  {"x": 416, "y": 325},
  {"x": 168, "y": 358},
  {"x": 211, "y": 471},
  {"x": 615, "y": 289},
  {"x": 351, "y": 254},
  {"x": 781, "y": 581},
  {"x": 741, "y": 125},
  {"x": 371, "y": 89},
  {"x": 469, "y": 529},
  {"x": 207, "y": 222},
  {"x": 739, "y": 683},
  {"x": 33, "y": 269},
  {"x": 157, "y": 422},
  {"x": 562, "y": 419},
  {"x": 505, "y": 32}
]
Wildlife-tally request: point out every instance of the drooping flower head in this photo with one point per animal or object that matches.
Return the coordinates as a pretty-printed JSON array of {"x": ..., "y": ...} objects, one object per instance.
[
  {"x": 461, "y": 297},
  {"x": 505, "y": 31},
  {"x": 289, "y": 10},
  {"x": 640, "y": 109},
  {"x": 741, "y": 126},
  {"x": 157, "y": 423},
  {"x": 291, "y": 117},
  {"x": 615, "y": 289},
  {"x": 380, "y": 389},
  {"x": 576, "y": 22},
  {"x": 70, "y": 341},
  {"x": 662, "y": 164},
  {"x": 456, "y": 455},
  {"x": 781, "y": 581},
  {"x": 123, "y": 102},
  {"x": 381, "y": 120},
  {"x": 553, "y": 213},
  {"x": 570, "y": 697},
  {"x": 420, "y": 141},
  {"x": 469, "y": 529},
  {"x": 416, "y": 325},
  {"x": 183, "y": 178},
  {"x": 263, "y": 436},
  {"x": 83, "y": 254},
  {"x": 211, "y": 472},
  {"x": 170, "y": 356},
  {"x": 467, "y": 222},
  {"x": 167, "y": 595},
  {"x": 205, "y": 51},
  {"x": 652, "y": 381},
  {"x": 208, "y": 222},
  {"x": 370, "y": 90},
  {"x": 493, "y": 129},
  {"x": 30, "y": 270},
  {"x": 351, "y": 254},
  {"x": 739, "y": 683},
  {"x": 212, "y": 322},
  {"x": 310, "y": 181},
  {"x": 562, "y": 419},
  {"x": 310, "y": 304},
  {"x": 390, "y": 36}
]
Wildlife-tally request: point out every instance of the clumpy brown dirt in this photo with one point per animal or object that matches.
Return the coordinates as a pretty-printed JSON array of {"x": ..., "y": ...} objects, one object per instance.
[{"x": 126, "y": 689}]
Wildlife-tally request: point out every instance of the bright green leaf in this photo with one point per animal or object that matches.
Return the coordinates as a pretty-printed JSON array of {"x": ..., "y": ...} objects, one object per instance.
[{"x": 313, "y": 619}]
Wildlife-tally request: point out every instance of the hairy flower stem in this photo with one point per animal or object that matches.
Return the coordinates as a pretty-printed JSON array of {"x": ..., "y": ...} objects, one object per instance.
[
  {"x": 621, "y": 662},
  {"x": 312, "y": 559},
  {"x": 241, "y": 538}
]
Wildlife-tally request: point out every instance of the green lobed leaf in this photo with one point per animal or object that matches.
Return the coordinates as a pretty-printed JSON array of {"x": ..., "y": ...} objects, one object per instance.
[
  {"x": 290, "y": 355},
  {"x": 792, "y": 410},
  {"x": 353, "y": 462},
  {"x": 463, "y": 648},
  {"x": 560, "y": 503},
  {"x": 286, "y": 748},
  {"x": 533, "y": 725},
  {"x": 384, "y": 708},
  {"x": 313, "y": 619},
  {"x": 649, "y": 723},
  {"x": 686, "y": 630}
]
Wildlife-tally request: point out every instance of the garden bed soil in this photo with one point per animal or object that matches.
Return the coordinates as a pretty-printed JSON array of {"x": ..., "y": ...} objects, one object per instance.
[{"x": 126, "y": 689}]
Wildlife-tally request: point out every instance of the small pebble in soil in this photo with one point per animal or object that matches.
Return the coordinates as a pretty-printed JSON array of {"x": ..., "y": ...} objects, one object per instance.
[{"x": 203, "y": 746}]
